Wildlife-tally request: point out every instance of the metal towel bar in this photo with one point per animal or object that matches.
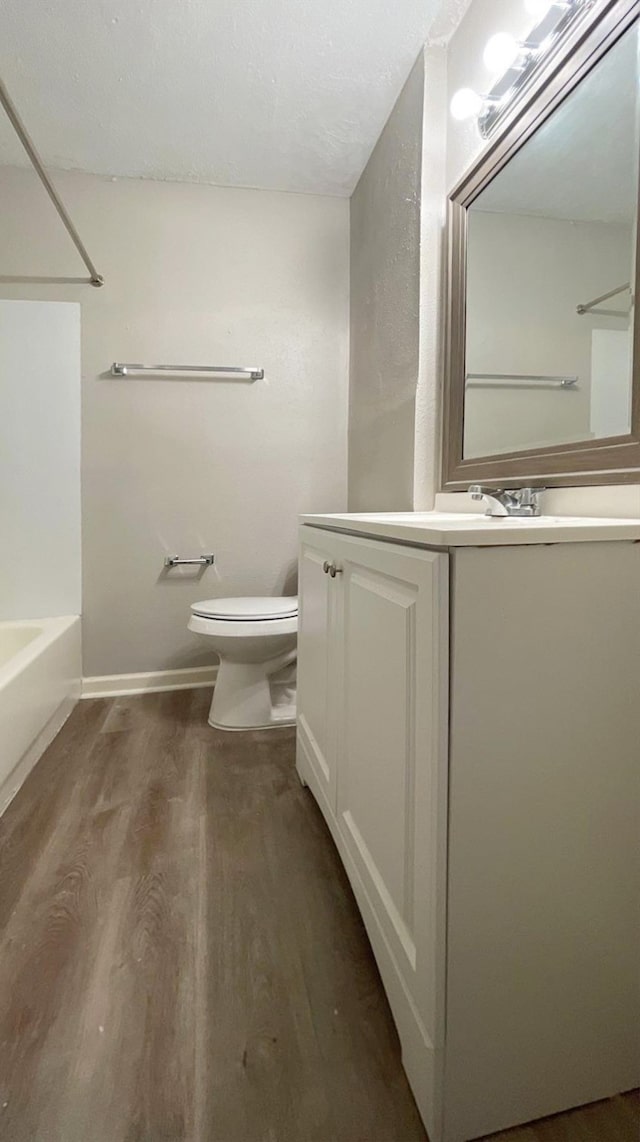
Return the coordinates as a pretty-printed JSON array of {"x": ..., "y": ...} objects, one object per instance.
[
  {"x": 520, "y": 380},
  {"x": 199, "y": 561},
  {"x": 119, "y": 369}
]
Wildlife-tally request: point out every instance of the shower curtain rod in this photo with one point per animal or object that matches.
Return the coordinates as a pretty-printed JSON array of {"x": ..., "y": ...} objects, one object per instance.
[
  {"x": 590, "y": 306},
  {"x": 95, "y": 278}
]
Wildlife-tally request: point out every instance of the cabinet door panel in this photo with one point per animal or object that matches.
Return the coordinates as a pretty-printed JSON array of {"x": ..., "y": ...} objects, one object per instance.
[
  {"x": 376, "y": 793},
  {"x": 392, "y": 751},
  {"x": 316, "y": 661}
]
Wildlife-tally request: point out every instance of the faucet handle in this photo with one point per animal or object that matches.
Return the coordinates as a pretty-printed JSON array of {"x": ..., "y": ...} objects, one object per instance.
[
  {"x": 527, "y": 499},
  {"x": 527, "y": 495}
]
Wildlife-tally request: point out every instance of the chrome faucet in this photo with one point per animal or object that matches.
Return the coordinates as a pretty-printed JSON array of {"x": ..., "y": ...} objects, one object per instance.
[{"x": 521, "y": 502}]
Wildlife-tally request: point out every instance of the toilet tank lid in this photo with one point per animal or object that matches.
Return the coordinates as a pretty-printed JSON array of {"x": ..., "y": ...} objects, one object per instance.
[{"x": 255, "y": 607}]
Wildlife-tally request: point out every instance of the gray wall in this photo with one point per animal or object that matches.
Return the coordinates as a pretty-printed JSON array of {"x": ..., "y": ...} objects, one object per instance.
[
  {"x": 194, "y": 274},
  {"x": 385, "y": 310}
]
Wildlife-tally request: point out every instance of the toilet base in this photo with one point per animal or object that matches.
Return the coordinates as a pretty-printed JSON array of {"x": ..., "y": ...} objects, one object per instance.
[
  {"x": 242, "y": 697},
  {"x": 276, "y": 724}
]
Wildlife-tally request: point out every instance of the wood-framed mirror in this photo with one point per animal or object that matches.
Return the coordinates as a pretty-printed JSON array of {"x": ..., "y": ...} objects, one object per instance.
[{"x": 542, "y": 354}]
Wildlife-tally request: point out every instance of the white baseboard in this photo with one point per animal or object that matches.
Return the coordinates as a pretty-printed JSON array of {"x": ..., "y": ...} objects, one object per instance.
[{"x": 150, "y": 682}]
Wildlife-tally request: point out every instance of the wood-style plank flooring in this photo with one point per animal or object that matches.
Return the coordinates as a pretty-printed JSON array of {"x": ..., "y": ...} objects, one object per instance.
[{"x": 181, "y": 957}]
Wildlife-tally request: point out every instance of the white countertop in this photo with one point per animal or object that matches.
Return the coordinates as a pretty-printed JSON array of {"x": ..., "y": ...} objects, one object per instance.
[{"x": 459, "y": 529}]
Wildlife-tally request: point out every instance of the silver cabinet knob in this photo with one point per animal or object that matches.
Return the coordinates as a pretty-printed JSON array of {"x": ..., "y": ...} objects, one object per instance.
[{"x": 331, "y": 569}]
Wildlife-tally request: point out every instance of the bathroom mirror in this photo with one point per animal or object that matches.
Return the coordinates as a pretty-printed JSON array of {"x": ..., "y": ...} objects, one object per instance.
[{"x": 543, "y": 360}]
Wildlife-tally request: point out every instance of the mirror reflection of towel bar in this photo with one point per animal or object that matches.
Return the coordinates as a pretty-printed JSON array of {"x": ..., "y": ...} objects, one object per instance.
[{"x": 519, "y": 381}]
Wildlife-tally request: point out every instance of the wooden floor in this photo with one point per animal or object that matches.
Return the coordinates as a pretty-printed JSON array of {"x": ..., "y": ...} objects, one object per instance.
[{"x": 181, "y": 956}]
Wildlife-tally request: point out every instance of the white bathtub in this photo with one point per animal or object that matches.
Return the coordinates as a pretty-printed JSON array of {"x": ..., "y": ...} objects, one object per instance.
[{"x": 40, "y": 673}]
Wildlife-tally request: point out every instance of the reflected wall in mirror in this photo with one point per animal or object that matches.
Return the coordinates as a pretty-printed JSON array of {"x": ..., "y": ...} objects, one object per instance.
[
  {"x": 553, "y": 232},
  {"x": 543, "y": 356}
]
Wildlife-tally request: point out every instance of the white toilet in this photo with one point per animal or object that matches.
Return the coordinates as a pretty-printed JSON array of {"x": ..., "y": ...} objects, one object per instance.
[{"x": 256, "y": 640}]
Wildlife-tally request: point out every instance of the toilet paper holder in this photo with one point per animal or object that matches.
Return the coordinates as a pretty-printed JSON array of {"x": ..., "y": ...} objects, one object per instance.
[{"x": 199, "y": 561}]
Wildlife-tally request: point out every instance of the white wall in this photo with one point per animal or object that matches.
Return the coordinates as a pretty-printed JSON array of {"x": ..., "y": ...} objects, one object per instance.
[
  {"x": 194, "y": 274},
  {"x": 427, "y": 432},
  {"x": 40, "y": 561}
]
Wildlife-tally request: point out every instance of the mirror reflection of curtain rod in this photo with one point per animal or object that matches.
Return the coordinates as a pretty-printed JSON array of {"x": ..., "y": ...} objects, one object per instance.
[
  {"x": 519, "y": 381},
  {"x": 21, "y": 131},
  {"x": 590, "y": 306}
]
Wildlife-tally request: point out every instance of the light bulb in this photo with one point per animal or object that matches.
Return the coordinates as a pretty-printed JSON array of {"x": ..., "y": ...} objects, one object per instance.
[
  {"x": 538, "y": 8},
  {"x": 465, "y": 104},
  {"x": 500, "y": 52}
]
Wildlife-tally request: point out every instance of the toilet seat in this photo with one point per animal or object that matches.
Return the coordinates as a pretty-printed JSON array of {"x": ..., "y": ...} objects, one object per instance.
[
  {"x": 242, "y": 629},
  {"x": 247, "y": 609}
]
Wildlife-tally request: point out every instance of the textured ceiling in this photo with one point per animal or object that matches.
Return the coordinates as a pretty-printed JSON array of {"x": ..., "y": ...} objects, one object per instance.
[
  {"x": 283, "y": 94},
  {"x": 583, "y": 163}
]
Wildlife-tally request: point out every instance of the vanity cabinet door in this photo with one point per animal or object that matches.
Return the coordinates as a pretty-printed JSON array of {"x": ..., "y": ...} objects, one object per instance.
[
  {"x": 317, "y": 689},
  {"x": 392, "y": 760}
]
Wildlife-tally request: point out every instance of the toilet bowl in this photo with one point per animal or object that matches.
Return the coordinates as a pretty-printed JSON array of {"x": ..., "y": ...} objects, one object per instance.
[{"x": 256, "y": 641}]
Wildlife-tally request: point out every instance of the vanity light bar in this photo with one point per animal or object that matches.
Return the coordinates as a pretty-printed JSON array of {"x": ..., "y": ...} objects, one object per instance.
[
  {"x": 542, "y": 38},
  {"x": 519, "y": 60}
]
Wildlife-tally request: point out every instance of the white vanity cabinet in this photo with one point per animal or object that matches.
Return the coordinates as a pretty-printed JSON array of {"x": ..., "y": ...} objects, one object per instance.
[
  {"x": 372, "y": 695},
  {"x": 469, "y": 722}
]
